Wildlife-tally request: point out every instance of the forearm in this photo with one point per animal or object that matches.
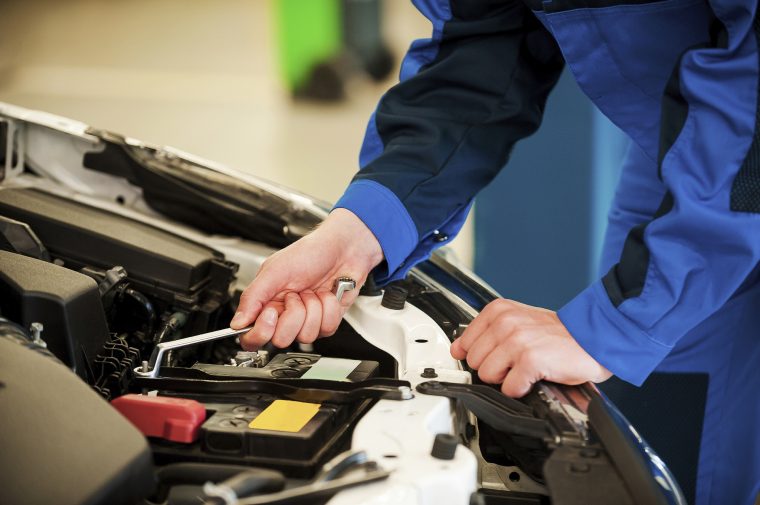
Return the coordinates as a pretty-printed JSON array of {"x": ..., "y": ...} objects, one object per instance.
[
  {"x": 440, "y": 135},
  {"x": 702, "y": 243}
]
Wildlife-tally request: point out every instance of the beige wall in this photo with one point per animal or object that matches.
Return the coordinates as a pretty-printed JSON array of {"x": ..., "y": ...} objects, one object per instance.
[{"x": 198, "y": 75}]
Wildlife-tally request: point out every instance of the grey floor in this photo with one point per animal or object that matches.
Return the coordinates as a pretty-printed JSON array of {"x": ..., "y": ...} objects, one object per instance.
[{"x": 198, "y": 75}]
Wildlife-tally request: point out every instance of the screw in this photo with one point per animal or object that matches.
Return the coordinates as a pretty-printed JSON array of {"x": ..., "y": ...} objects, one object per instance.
[
  {"x": 429, "y": 373},
  {"x": 297, "y": 361},
  {"x": 145, "y": 367},
  {"x": 36, "y": 329},
  {"x": 233, "y": 423},
  {"x": 243, "y": 409},
  {"x": 286, "y": 372}
]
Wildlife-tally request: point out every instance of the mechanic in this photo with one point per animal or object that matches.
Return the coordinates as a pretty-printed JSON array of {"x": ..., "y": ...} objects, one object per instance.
[{"x": 680, "y": 290}]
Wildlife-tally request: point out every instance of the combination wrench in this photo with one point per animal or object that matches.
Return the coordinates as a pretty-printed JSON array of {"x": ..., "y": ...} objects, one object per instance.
[{"x": 152, "y": 367}]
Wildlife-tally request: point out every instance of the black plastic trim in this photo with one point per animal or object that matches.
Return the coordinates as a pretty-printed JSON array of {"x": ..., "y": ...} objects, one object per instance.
[{"x": 627, "y": 458}]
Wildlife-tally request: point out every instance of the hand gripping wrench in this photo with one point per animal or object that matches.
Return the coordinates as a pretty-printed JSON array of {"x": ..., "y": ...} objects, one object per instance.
[{"x": 152, "y": 367}]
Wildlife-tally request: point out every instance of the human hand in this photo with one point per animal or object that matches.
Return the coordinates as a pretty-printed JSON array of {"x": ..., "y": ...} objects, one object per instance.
[
  {"x": 291, "y": 297},
  {"x": 518, "y": 345}
]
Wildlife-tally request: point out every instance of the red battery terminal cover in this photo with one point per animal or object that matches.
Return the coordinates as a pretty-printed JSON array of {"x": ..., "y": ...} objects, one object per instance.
[{"x": 174, "y": 419}]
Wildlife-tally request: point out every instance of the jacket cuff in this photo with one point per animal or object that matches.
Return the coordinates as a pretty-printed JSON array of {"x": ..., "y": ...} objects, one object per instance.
[
  {"x": 386, "y": 217},
  {"x": 612, "y": 339}
]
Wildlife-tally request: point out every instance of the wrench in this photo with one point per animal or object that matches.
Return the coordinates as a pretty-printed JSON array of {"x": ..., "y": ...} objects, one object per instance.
[{"x": 152, "y": 367}]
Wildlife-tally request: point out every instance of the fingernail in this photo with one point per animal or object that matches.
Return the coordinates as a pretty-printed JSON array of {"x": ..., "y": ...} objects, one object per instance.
[
  {"x": 269, "y": 316},
  {"x": 237, "y": 320}
]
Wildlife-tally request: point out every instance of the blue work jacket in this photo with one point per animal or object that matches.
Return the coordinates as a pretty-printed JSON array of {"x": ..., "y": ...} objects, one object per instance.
[{"x": 680, "y": 77}]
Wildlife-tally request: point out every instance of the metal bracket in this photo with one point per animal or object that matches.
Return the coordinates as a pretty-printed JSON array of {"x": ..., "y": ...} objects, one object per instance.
[{"x": 14, "y": 142}]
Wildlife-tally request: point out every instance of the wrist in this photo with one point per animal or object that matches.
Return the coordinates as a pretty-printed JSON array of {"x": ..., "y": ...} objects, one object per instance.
[{"x": 358, "y": 240}]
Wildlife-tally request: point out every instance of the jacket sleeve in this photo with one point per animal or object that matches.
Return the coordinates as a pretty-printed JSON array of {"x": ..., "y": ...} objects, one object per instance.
[
  {"x": 465, "y": 96},
  {"x": 703, "y": 243}
]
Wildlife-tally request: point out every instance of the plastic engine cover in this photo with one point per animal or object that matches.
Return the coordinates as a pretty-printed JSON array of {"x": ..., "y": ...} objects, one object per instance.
[
  {"x": 61, "y": 442},
  {"x": 94, "y": 237},
  {"x": 67, "y": 303}
]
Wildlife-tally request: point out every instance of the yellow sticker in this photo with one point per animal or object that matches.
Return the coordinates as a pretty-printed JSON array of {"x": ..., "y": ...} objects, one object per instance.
[{"x": 285, "y": 415}]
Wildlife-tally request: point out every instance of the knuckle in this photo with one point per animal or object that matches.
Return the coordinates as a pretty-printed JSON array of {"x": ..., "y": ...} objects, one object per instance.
[
  {"x": 508, "y": 389},
  {"x": 332, "y": 322},
  {"x": 329, "y": 327},
  {"x": 503, "y": 304},
  {"x": 247, "y": 344},
  {"x": 251, "y": 341},
  {"x": 281, "y": 341},
  {"x": 519, "y": 339},
  {"x": 504, "y": 324},
  {"x": 328, "y": 332},
  {"x": 246, "y": 295},
  {"x": 472, "y": 361},
  {"x": 258, "y": 339},
  {"x": 489, "y": 376},
  {"x": 267, "y": 262},
  {"x": 494, "y": 306},
  {"x": 307, "y": 337},
  {"x": 531, "y": 358}
]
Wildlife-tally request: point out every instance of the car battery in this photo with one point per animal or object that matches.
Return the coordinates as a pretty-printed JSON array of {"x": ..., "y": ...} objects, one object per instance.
[
  {"x": 263, "y": 430},
  {"x": 293, "y": 365},
  {"x": 260, "y": 429},
  {"x": 291, "y": 431}
]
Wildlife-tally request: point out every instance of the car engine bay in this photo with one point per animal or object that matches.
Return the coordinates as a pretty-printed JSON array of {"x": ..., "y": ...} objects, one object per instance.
[{"x": 111, "y": 250}]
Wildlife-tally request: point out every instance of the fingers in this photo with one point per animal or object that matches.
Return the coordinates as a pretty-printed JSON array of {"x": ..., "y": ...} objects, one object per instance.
[
  {"x": 260, "y": 291},
  {"x": 262, "y": 331},
  {"x": 494, "y": 345},
  {"x": 313, "y": 322},
  {"x": 456, "y": 350},
  {"x": 482, "y": 348},
  {"x": 305, "y": 316},
  {"x": 478, "y": 326},
  {"x": 520, "y": 380},
  {"x": 496, "y": 365},
  {"x": 290, "y": 322},
  {"x": 331, "y": 312}
]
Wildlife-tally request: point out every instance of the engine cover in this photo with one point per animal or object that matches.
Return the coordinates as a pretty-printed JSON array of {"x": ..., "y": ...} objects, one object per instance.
[
  {"x": 61, "y": 442},
  {"x": 81, "y": 236},
  {"x": 67, "y": 303}
]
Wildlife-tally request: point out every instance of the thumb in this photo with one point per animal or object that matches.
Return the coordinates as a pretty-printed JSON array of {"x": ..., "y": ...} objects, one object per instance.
[{"x": 262, "y": 289}]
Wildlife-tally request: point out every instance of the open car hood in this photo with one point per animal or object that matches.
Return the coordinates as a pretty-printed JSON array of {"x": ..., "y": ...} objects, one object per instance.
[{"x": 160, "y": 244}]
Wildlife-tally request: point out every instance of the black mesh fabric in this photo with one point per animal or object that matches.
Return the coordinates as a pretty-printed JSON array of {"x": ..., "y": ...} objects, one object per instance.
[{"x": 745, "y": 191}]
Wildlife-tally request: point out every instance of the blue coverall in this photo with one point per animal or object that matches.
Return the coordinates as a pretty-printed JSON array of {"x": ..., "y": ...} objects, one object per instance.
[{"x": 679, "y": 291}]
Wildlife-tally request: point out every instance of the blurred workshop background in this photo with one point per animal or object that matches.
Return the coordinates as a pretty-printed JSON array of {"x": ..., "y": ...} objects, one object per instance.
[{"x": 284, "y": 88}]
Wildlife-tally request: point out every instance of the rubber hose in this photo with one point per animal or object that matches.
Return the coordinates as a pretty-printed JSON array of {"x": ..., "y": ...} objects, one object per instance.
[{"x": 200, "y": 473}]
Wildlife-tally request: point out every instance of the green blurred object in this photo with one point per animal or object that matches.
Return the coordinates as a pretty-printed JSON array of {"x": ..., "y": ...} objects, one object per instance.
[{"x": 309, "y": 33}]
